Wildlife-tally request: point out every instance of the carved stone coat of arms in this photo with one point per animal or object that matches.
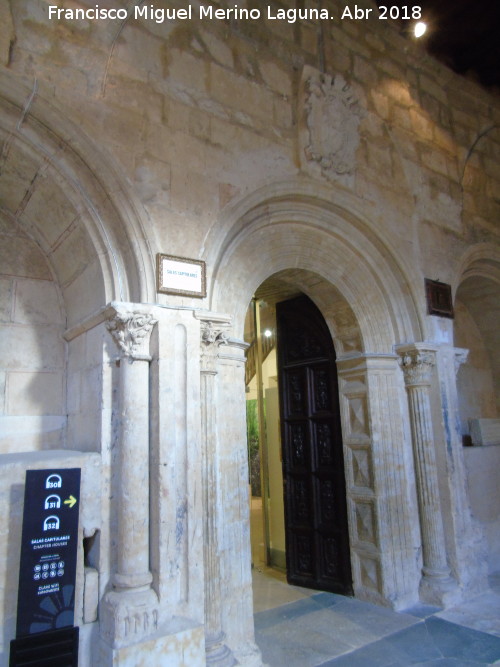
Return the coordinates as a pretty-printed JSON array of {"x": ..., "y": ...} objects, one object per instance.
[{"x": 332, "y": 114}]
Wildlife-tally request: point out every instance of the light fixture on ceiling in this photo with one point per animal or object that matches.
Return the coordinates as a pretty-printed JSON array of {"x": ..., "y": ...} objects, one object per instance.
[{"x": 420, "y": 29}]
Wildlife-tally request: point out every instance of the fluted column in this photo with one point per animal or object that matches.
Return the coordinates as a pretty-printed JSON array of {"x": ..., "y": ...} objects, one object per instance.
[
  {"x": 418, "y": 364},
  {"x": 129, "y": 609},
  {"x": 217, "y": 653}
]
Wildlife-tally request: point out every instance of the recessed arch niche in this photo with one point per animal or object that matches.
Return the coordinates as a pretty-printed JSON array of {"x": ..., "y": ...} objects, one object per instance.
[
  {"x": 70, "y": 199},
  {"x": 477, "y": 313},
  {"x": 65, "y": 198}
]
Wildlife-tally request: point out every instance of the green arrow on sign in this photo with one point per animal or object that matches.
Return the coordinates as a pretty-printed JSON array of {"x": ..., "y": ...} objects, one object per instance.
[{"x": 71, "y": 501}]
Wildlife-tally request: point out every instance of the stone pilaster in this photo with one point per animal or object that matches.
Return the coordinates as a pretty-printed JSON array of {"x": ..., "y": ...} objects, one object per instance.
[
  {"x": 418, "y": 363},
  {"x": 213, "y": 336},
  {"x": 465, "y": 541},
  {"x": 129, "y": 611},
  {"x": 234, "y": 515}
]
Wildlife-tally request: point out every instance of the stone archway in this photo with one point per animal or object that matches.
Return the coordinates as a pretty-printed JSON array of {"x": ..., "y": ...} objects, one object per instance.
[
  {"x": 69, "y": 198},
  {"x": 477, "y": 313},
  {"x": 336, "y": 259},
  {"x": 300, "y": 226},
  {"x": 63, "y": 198},
  {"x": 476, "y": 328}
]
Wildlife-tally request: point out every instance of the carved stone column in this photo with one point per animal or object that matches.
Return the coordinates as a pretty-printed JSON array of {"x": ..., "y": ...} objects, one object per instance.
[
  {"x": 418, "y": 364},
  {"x": 129, "y": 610},
  {"x": 217, "y": 653}
]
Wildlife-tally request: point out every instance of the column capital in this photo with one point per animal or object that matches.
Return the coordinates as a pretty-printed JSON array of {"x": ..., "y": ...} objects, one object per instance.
[
  {"x": 131, "y": 331},
  {"x": 213, "y": 335},
  {"x": 417, "y": 362},
  {"x": 461, "y": 356}
]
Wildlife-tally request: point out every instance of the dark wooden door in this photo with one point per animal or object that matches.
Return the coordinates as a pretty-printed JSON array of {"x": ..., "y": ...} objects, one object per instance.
[{"x": 317, "y": 541}]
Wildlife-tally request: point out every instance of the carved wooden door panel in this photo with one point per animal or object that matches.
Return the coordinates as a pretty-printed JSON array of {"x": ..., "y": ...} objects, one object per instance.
[{"x": 317, "y": 542}]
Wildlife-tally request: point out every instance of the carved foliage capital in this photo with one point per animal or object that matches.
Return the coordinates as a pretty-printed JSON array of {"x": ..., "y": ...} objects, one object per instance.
[
  {"x": 417, "y": 367},
  {"x": 212, "y": 337},
  {"x": 131, "y": 332}
]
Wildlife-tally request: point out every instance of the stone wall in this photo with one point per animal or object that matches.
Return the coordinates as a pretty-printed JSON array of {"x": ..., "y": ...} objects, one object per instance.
[
  {"x": 482, "y": 465},
  {"x": 334, "y": 152},
  {"x": 233, "y": 98},
  {"x": 32, "y": 355}
]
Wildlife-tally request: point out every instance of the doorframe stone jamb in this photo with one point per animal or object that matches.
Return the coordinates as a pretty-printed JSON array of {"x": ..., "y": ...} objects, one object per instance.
[{"x": 379, "y": 479}]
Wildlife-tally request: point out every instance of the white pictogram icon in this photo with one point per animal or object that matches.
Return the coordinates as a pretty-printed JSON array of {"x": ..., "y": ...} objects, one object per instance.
[
  {"x": 51, "y": 523},
  {"x": 53, "y": 481},
  {"x": 52, "y": 502}
]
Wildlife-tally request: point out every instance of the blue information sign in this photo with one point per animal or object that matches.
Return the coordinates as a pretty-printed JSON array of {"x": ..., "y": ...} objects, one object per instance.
[{"x": 46, "y": 598}]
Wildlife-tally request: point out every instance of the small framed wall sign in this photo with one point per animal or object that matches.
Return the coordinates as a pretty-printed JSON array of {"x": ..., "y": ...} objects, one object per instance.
[
  {"x": 439, "y": 301},
  {"x": 180, "y": 275}
]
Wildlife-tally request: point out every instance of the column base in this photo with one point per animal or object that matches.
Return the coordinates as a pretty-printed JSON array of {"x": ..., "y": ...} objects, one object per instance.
[
  {"x": 442, "y": 591},
  {"x": 128, "y": 616},
  {"x": 179, "y": 643},
  {"x": 249, "y": 655},
  {"x": 217, "y": 653}
]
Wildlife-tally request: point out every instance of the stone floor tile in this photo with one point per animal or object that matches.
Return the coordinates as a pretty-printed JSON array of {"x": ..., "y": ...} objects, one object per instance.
[
  {"x": 456, "y": 641},
  {"x": 481, "y": 613},
  {"x": 328, "y": 599},
  {"x": 375, "y": 620},
  {"x": 287, "y": 612},
  {"x": 422, "y": 610},
  {"x": 288, "y": 645},
  {"x": 327, "y": 630}
]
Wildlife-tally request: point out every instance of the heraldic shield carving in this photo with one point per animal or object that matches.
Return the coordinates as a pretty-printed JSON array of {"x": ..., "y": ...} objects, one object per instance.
[{"x": 332, "y": 114}]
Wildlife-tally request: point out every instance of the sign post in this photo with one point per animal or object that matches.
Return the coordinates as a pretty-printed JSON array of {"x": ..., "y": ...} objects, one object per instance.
[{"x": 47, "y": 574}]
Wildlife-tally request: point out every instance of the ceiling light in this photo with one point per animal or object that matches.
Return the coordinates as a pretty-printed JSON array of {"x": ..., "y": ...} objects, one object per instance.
[
  {"x": 268, "y": 333},
  {"x": 420, "y": 29}
]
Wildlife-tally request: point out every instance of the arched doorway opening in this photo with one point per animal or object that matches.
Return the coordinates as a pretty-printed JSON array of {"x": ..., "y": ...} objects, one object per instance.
[
  {"x": 296, "y": 461},
  {"x": 312, "y": 243},
  {"x": 477, "y": 312}
]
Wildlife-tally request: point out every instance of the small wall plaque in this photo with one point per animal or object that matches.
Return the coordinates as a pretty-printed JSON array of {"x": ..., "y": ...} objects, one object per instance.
[
  {"x": 180, "y": 275},
  {"x": 439, "y": 301}
]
